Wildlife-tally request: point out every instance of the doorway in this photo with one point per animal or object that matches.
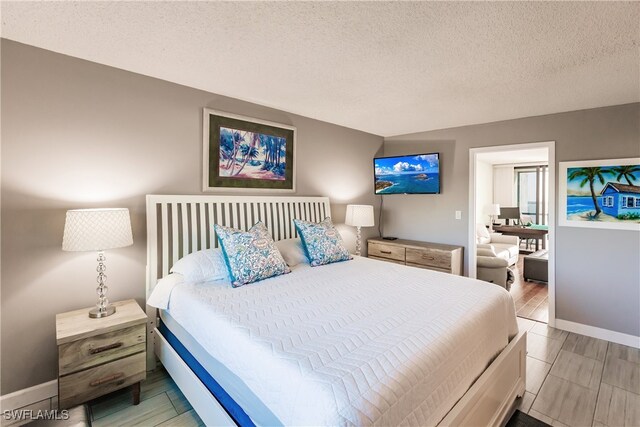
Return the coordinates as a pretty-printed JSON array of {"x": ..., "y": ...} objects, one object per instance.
[{"x": 515, "y": 185}]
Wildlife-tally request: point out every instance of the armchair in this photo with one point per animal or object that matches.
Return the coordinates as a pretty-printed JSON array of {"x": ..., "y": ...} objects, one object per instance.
[
  {"x": 507, "y": 247},
  {"x": 492, "y": 268}
]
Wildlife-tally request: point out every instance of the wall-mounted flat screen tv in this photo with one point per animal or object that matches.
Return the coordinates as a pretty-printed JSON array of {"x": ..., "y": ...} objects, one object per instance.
[{"x": 412, "y": 174}]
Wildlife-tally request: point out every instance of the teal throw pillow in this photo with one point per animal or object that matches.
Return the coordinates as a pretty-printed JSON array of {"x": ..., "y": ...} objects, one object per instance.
[
  {"x": 321, "y": 242},
  {"x": 250, "y": 255}
]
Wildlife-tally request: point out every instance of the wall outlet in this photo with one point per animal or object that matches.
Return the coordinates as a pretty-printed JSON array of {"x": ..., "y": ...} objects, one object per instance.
[{"x": 458, "y": 214}]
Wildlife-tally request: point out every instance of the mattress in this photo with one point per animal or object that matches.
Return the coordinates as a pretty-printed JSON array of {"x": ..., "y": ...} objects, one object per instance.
[
  {"x": 236, "y": 395},
  {"x": 362, "y": 342}
]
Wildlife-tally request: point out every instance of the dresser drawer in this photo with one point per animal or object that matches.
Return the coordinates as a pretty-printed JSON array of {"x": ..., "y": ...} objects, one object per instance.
[
  {"x": 429, "y": 258},
  {"x": 91, "y": 383},
  {"x": 99, "y": 349},
  {"x": 380, "y": 250},
  {"x": 429, "y": 267},
  {"x": 393, "y": 261}
]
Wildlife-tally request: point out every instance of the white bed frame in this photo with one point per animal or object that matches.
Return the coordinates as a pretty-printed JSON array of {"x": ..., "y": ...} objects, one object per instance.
[{"x": 179, "y": 225}]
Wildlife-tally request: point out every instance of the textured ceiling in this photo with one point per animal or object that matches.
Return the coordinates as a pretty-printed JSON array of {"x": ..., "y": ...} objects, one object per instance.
[{"x": 388, "y": 68}]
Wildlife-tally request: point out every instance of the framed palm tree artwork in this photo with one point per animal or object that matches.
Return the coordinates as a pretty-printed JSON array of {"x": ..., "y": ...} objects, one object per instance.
[
  {"x": 245, "y": 154},
  {"x": 600, "y": 194}
]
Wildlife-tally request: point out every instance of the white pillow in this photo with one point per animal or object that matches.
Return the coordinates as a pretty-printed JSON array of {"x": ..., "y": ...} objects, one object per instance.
[
  {"x": 292, "y": 251},
  {"x": 162, "y": 291},
  {"x": 202, "y": 266},
  {"x": 484, "y": 240}
]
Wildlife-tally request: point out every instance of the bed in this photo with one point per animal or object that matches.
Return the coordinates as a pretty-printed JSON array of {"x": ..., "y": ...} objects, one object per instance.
[{"x": 360, "y": 342}]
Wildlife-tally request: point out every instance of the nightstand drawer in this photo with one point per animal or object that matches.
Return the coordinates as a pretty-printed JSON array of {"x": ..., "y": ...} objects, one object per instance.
[
  {"x": 381, "y": 250},
  {"x": 91, "y": 383},
  {"x": 429, "y": 258},
  {"x": 92, "y": 351}
]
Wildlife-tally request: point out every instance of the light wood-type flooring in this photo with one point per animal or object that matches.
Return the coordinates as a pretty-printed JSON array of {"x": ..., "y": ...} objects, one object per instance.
[
  {"x": 572, "y": 380},
  {"x": 531, "y": 298}
]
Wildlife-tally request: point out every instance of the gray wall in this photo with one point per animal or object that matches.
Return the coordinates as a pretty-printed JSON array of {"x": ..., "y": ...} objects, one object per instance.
[
  {"x": 597, "y": 271},
  {"x": 77, "y": 134}
]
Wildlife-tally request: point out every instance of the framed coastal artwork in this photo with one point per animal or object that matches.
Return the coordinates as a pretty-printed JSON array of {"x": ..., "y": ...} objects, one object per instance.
[
  {"x": 245, "y": 154},
  {"x": 600, "y": 194}
]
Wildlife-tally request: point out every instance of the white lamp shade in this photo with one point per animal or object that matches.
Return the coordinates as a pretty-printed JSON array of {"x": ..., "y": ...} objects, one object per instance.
[
  {"x": 359, "y": 216},
  {"x": 493, "y": 209},
  {"x": 97, "y": 229}
]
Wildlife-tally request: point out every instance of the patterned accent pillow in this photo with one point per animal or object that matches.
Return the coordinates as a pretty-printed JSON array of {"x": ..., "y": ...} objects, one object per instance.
[
  {"x": 321, "y": 242},
  {"x": 250, "y": 256}
]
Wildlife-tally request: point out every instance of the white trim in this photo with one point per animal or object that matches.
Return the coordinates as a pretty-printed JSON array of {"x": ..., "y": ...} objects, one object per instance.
[
  {"x": 27, "y": 396},
  {"x": 473, "y": 154},
  {"x": 595, "y": 332},
  {"x": 206, "y": 112},
  {"x": 520, "y": 165},
  {"x": 562, "y": 195}
]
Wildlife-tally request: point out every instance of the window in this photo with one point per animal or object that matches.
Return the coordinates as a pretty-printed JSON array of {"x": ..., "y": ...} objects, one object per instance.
[
  {"x": 630, "y": 202},
  {"x": 607, "y": 202},
  {"x": 533, "y": 192},
  {"x": 637, "y": 202}
]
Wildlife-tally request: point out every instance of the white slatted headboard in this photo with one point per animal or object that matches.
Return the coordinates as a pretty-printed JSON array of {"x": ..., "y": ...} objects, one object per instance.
[{"x": 179, "y": 225}]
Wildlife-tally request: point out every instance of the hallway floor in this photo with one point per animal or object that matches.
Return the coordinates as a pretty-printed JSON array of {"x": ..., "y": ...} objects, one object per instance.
[{"x": 531, "y": 298}]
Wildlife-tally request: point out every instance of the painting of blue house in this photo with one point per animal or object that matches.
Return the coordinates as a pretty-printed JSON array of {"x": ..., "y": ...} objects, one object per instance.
[
  {"x": 600, "y": 194},
  {"x": 620, "y": 200}
]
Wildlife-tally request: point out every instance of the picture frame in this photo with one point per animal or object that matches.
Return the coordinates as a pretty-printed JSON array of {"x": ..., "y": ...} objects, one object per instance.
[
  {"x": 600, "y": 194},
  {"x": 244, "y": 154}
]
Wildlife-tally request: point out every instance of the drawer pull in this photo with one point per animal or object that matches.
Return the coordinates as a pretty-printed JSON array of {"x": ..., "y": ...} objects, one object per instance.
[
  {"x": 430, "y": 258},
  {"x": 105, "y": 348},
  {"x": 386, "y": 252},
  {"x": 108, "y": 379}
]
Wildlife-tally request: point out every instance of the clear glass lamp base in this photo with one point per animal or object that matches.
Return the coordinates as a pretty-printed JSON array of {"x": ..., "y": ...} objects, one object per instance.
[
  {"x": 103, "y": 308},
  {"x": 96, "y": 313}
]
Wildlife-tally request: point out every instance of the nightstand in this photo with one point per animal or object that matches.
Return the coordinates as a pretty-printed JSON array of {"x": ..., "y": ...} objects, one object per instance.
[{"x": 98, "y": 356}]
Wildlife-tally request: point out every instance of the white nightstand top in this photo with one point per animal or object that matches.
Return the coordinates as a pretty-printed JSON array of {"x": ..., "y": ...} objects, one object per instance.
[{"x": 77, "y": 324}]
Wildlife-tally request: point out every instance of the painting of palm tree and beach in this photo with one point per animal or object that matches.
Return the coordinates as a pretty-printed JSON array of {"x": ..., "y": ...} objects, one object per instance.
[
  {"x": 604, "y": 194},
  {"x": 242, "y": 153},
  {"x": 251, "y": 155}
]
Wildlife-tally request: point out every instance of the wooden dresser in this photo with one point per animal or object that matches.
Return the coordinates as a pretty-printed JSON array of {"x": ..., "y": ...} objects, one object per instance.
[
  {"x": 433, "y": 256},
  {"x": 98, "y": 356}
]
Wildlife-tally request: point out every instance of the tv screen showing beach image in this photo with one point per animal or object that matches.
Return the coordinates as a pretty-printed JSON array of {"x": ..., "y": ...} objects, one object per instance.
[{"x": 414, "y": 174}]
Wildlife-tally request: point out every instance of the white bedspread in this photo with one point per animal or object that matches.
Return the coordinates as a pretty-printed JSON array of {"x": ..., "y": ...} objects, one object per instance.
[{"x": 361, "y": 342}]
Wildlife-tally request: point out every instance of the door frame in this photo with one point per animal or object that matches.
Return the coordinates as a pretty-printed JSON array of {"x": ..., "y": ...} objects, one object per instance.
[{"x": 473, "y": 158}]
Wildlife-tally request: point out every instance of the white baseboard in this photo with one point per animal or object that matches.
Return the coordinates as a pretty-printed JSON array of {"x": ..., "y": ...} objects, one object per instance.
[
  {"x": 27, "y": 396},
  {"x": 594, "y": 332}
]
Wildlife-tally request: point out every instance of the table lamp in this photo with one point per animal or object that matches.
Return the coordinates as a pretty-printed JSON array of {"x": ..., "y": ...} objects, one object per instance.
[
  {"x": 359, "y": 216},
  {"x": 493, "y": 210},
  {"x": 98, "y": 230}
]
